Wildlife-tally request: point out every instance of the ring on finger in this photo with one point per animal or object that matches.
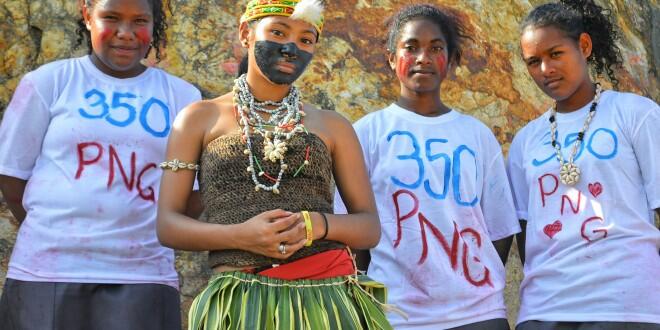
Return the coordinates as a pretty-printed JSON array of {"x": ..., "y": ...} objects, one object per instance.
[{"x": 282, "y": 248}]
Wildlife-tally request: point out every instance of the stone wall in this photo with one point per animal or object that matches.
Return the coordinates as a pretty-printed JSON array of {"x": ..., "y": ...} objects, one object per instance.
[{"x": 349, "y": 73}]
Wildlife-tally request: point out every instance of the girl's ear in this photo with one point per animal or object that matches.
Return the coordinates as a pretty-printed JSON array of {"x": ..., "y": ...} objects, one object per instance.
[
  {"x": 87, "y": 16},
  {"x": 585, "y": 44},
  {"x": 391, "y": 58},
  {"x": 244, "y": 32},
  {"x": 451, "y": 66}
]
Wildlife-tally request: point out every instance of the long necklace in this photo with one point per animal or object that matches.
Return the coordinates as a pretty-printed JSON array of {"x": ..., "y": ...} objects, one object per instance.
[
  {"x": 284, "y": 121},
  {"x": 569, "y": 172}
]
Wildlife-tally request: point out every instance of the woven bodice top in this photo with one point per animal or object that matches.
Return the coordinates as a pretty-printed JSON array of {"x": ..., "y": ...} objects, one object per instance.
[{"x": 229, "y": 196}]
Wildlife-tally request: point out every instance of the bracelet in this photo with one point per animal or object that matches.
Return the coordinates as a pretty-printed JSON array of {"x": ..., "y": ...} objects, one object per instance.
[
  {"x": 308, "y": 228},
  {"x": 325, "y": 220},
  {"x": 176, "y": 165}
]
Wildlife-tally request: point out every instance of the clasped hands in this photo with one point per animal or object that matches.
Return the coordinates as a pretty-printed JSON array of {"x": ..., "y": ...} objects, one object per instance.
[{"x": 276, "y": 234}]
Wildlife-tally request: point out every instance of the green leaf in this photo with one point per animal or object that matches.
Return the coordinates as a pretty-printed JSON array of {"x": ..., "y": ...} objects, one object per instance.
[
  {"x": 253, "y": 307},
  {"x": 313, "y": 311},
  {"x": 236, "y": 297},
  {"x": 297, "y": 308},
  {"x": 284, "y": 311},
  {"x": 347, "y": 312},
  {"x": 374, "y": 315},
  {"x": 271, "y": 303},
  {"x": 226, "y": 298},
  {"x": 200, "y": 305},
  {"x": 212, "y": 321},
  {"x": 334, "y": 321}
]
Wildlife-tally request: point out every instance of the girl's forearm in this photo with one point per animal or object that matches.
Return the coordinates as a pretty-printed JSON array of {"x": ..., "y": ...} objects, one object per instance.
[
  {"x": 357, "y": 230},
  {"x": 12, "y": 191}
]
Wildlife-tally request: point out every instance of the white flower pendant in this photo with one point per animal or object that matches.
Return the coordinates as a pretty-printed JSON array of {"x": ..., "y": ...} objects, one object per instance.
[
  {"x": 569, "y": 174},
  {"x": 275, "y": 150}
]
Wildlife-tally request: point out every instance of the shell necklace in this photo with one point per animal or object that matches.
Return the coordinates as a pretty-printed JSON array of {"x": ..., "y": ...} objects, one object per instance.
[
  {"x": 569, "y": 172},
  {"x": 284, "y": 122}
]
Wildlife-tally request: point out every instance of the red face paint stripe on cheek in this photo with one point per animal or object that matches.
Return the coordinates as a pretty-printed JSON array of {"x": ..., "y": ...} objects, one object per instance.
[
  {"x": 144, "y": 35},
  {"x": 404, "y": 62},
  {"x": 105, "y": 34},
  {"x": 441, "y": 62}
]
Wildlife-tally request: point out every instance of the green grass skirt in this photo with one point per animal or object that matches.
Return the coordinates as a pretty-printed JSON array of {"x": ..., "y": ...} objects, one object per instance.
[{"x": 238, "y": 300}]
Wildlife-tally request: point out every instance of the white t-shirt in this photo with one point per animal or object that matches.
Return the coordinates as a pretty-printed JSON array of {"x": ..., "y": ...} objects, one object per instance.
[
  {"x": 89, "y": 144},
  {"x": 592, "y": 249},
  {"x": 443, "y": 196}
]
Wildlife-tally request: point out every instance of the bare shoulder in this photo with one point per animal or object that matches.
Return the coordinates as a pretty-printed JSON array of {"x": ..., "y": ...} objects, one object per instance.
[
  {"x": 328, "y": 117},
  {"x": 196, "y": 114},
  {"x": 325, "y": 121},
  {"x": 206, "y": 118},
  {"x": 330, "y": 125}
]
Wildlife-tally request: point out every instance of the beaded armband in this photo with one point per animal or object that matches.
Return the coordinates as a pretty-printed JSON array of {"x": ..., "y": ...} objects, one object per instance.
[{"x": 176, "y": 165}]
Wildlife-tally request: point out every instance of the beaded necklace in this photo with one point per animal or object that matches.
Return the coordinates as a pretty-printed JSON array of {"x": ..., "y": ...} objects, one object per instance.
[
  {"x": 286, "y": 120},
  {"x": 569, "y": 172}
]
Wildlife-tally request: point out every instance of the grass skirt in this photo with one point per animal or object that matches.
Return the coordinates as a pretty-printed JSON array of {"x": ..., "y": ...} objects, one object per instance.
[{"x": 238, "y": 300}]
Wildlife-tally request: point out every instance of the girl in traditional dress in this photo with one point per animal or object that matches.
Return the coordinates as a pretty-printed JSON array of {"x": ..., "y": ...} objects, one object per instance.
[{"x": 266, "y": 165}]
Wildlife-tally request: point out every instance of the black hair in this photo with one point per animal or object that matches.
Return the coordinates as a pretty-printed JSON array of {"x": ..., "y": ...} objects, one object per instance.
[
  {"x": 159, "y": 39},
  {"x": 245, "y": 60},
  {"x": 453, "y": 28},
  {"x": 574, "y": 17},
  {"x": 243, "y": 66}
]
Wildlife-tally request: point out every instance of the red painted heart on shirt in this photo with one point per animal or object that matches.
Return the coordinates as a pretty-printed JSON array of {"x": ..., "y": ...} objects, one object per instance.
[
  {"x": 552, "y": 228},
  {"x": 595, "y": 189}
]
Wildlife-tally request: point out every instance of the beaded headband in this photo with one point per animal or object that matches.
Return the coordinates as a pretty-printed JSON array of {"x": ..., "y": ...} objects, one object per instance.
[{"x": 310, "y": 11}]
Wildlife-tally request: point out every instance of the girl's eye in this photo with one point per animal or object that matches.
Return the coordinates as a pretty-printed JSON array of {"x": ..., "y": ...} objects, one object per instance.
[
  {"x": 555, "y": 54},
  {"x": 532, "y": 62},
  {"x": 306, "y": 41},
  {"x": 110, "y": 17},
  {"x": 438, "y": 49},
  {"x": 409, "y": 48},
  {"x": 141, "y": 21},
  {"x": 277, "y": 33}
]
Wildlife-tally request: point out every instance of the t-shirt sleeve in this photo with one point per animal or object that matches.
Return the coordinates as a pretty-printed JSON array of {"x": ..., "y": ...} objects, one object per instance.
[
  {"x": 517, "y": 180},
  {"x": 647, "y": 150},
  {"x": 363, "y": 131},
  {"x": 186, "y": 94},
  {"x": 496, "y": 199},
  {"x": 22, "y": 130},
  {"x": 194, "y": 96}
]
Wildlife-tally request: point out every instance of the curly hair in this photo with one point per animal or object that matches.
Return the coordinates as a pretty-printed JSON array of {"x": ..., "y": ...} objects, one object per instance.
[
  {"x": 159, "y": 38},
  {"x": 574, "y": 17},
  {"x": 449, "y": 24}
]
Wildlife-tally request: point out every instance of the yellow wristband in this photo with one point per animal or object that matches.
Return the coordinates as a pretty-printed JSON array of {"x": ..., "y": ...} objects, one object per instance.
[{"x": 308, "y": 228}]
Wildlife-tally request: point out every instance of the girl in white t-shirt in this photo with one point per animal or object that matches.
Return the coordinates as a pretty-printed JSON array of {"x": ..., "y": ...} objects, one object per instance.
[
  {"x": 586, "y": 181},
  {"x": 81, "y": 140},
  {"x": 443, "y": 197}
]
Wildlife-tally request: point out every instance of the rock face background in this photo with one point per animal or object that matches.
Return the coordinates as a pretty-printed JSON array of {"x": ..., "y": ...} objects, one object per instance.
[{"x": 349, "y": 73}]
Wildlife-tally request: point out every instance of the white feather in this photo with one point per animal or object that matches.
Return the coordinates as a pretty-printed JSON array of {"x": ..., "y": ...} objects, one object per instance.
[{"x": 310, "y": 11}]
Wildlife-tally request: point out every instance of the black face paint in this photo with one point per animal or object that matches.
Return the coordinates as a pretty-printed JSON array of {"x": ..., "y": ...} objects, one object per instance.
[{"x": 269, "y": 53}]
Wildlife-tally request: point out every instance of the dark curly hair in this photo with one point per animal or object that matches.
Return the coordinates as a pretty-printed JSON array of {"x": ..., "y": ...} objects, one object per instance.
[
  {"x": 574, "y": 17},
  {"x": 449, "y": 24},
  {"x": 159, "y": 39}
]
